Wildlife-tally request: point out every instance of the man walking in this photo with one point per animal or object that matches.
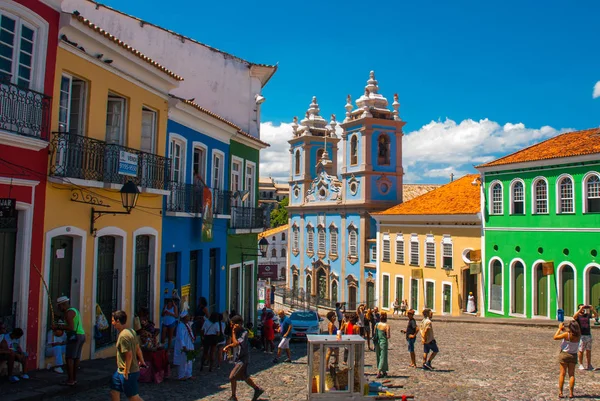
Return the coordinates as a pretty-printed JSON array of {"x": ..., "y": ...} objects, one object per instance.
[
  {"x": 583, "y": 316},
  {"x": 428, "y": 339},
  {"x": 129, "y": 355},
  {"x": 75, "y": 338},
  {"x": 411, "y": 335},
  {"x": 339, "y": 313},
  {"x": 285, "y": 328}
]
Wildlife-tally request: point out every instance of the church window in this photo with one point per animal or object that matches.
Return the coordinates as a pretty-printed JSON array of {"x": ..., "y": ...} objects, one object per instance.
[
  {"x": 354, "y": 150},
  {"x": 353, "y": 188},
  {"x": 383, "y": 150},
  {"x": 297, "y": 166},
  {"x": 273, "y": 253},
  {"x": 320, "y": 154},
  {"x": 333, "y": 241},
  {"x": 321, "y": 234},
  {"x": 295, "y": 239},
  {"x": 353, "y": 243},
  {"x": 310, "y": 239}
]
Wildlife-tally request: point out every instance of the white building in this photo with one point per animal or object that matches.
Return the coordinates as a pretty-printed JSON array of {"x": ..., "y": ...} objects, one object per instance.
[{"x": 277, "y": 252}]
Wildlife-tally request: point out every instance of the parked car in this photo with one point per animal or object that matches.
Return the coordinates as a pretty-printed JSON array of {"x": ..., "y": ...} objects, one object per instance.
[{"x": 304, "y": 323}]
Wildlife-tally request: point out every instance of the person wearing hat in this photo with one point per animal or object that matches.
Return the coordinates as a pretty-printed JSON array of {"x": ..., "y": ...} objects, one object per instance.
[
  {"x": 471, "y": 303},
  {"x": 75, "y": 337},
  {"x": 184, "y": 343},
  {"x": 411, "y": 335}
]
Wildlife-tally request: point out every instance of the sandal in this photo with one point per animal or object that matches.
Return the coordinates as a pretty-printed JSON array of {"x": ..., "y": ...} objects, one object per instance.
[{"x": 66, "y": 383}]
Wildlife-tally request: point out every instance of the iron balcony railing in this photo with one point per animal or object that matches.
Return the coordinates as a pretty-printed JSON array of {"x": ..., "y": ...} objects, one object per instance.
[
  {"x": 76, "y": 156},
  {"x": 24, "y": 111},
  {"x": 247, "y": 217},
  {"x": 221, "y": 201},
  {"x": 185, "y": 198}
]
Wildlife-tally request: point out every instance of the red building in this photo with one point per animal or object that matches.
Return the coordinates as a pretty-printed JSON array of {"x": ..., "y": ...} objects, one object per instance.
[{"x": 28, "y": 45}]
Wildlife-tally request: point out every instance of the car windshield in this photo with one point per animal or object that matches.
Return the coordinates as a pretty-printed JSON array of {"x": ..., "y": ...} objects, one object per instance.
[{"x": 303, "y": 316}]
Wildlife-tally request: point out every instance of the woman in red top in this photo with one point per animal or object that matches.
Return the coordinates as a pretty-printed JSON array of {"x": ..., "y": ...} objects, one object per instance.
[
  {"x": 269, "y": 333},
  {"x": 350, "y": 328}
]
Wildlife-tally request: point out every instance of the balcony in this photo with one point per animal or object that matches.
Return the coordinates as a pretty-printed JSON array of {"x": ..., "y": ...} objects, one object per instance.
[
  {"x": 221, "y": 202},
  {"x": 247, "y": 218},
  {"x": 79, "y": 157},
  {"x": 184, "y": 198},
  {"x": 24, "y": 112}
]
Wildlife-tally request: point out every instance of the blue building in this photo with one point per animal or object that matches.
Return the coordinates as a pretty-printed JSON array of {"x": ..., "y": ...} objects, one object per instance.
[
  {"x": 196, "y": 212},
  {"x": 330, "y": 227}
]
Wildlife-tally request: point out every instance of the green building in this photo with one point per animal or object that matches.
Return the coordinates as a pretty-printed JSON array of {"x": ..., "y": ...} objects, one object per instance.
[
  {"x": 247, "y": 220},
  {"x": 542, "y": 204}
]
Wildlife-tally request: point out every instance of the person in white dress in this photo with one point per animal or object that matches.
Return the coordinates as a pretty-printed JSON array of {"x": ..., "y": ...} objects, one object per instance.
[
  {"x": 471, "y": 303},
  {"x": 56, "y": 347},
  {"x": 184, "y": 342}
]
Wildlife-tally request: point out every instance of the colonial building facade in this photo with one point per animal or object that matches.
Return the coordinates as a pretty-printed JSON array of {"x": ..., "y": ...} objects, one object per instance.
[
  {"x": 329, "y": 221},
  {"x": 541, "y": 222}
]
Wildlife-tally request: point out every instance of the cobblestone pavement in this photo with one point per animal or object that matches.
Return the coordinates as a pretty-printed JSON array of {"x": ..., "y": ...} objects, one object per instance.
[{"x": 476, "y": 362}]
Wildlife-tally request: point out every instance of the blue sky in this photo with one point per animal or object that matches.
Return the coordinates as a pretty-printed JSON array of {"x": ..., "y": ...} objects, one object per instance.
[{"x": 470, "y": 67}]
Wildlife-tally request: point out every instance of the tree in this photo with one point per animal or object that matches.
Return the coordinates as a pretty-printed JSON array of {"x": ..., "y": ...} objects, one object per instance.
[{"x": 279, "y": 216}]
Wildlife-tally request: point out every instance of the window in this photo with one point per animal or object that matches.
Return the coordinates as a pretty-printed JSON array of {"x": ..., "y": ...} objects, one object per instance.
[
  {"x": 399, "y": 249},
  {"x": 115, "y": 120},
  {"x": 354, "y": 150},
  {"x": 592, "y": 192},
  {"x": 177, "y": 156},
  {"x": 353, "y": 243},
  {"x": 321, "y": 233},
  {"x": 333, "y": 241},
  {"x": 217, "y": 170},
  {"x": 414, "y": 250},
  {"x": 383, "y": 150},
  {"x": 540, "y": 202},
  {"x": 283, "y": 236},
  {"x": 273, "y": 253},
  {"x": 386, "y": 291},
  {"x": 17, "y": 43},
  {"x": 497, "y": 198},
  {"x": 400, "y": 288},
  {"x": 283, "y": 254},
  {"x": 71, "y": 108},
  {"x": 199, "y": 164},
  {"x": 295, "y": 239},
  {"x": 297, "y": 162},
  {"x": 430, "y": 294},
  {"x": 374, "y": 252},
  {"x": 386, "y": 248},
  {"x": 171, "y": 267},
  {"x": 310, "y": 239},
  {"x": 250, "y": 180},
  {"x": 565, "y": 186},
  {"x": 320, "y": 154},
  {"x": 447, "y": 252},
  {"x": 518, "y": 198},
  {"x": 148, "y": 141},
  {"x": 429, "y": 251}
]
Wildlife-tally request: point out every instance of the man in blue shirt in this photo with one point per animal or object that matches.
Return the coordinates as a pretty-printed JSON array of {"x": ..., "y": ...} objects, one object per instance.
[{"x": 285, "y": 329}]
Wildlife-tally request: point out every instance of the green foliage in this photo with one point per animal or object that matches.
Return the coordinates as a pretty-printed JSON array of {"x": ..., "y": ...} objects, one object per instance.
[{"x": 279, "y": 216}]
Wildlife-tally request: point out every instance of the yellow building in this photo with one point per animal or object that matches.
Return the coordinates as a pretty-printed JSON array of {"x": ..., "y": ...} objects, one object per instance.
[
  {"x": 425, "y": 246},
  {"x": 109, "y": 122}
]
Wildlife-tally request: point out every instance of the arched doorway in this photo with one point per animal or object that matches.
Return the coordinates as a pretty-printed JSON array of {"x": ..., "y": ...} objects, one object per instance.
[
  {"x": 518, "y": 288},
  {"x": 321, "y": 284},
  {"x": 593, "y": 286},
  {"x": 371, "y": 293},
  {"x": 351, "y": 297},
  {"x": 496, "y": 286},
  {"x": 541, "y": 291},
  {"x": 567, "y": 287}
]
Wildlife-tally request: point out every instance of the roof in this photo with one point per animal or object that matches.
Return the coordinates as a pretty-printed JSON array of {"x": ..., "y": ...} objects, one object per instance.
[
  {"x": 570, "y": 144},
  {"x": 273, "y": 231},
  {"x": 124, "y": 45},
  {"x": 457, "y": 197},
  {"x": 410, "y": 191}
]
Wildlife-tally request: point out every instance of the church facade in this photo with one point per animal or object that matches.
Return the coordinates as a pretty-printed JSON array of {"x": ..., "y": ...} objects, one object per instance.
[{"x": 330, "y": 227}]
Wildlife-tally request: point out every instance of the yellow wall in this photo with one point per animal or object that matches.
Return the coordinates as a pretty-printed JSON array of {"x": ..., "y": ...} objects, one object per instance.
[
  {"x": 61, "y": 212},
  {"x": 462, "y": 238}
]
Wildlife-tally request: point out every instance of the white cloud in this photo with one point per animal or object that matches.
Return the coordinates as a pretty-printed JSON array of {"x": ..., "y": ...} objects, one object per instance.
[
  {"x": 596, "y": 93},
  {"x": 430, "y": 153}
]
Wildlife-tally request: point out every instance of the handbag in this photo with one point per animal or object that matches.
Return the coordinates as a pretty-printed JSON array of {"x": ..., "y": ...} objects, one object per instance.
[
  {"x": 376, "y": 334},
  {"x": 101, "y": 321}
]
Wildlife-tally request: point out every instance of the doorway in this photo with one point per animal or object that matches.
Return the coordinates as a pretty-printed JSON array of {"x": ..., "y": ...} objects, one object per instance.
[
  {"x": 193, "y": 300},
  {"x": 143, "y": 276},
  {"x": 567, "y": 286},
  {"x": 248, "y": 290},
  {"x": 351, "y": 297},
  {"x": 61, "y": 269},
  {"x": 234, "y": 289},
  {"x": 470, "y": 285},
  {"x": 593, "y": 289},
  {"x": 518, "y": 288},
  {"x": 447, "y": 299},
  {"x": 371, "y": 294},
  {"x": 107, "y": 287},
  {"x": 212, "y": 280},
  {"x": 541, "y": 291},
  {"x": 414, "y": 294},
  {"x": 8, "y": 253}
]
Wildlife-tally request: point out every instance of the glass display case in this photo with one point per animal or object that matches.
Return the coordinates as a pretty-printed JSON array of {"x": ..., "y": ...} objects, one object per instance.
[{"x": 328, "y": 377}]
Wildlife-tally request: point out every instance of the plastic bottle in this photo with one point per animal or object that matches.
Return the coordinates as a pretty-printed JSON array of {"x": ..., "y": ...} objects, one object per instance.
[{"x": 339, "y": 334}]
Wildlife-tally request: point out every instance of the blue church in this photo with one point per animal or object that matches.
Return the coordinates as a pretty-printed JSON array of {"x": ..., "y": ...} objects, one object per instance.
[{"x": 332, "y": 235}]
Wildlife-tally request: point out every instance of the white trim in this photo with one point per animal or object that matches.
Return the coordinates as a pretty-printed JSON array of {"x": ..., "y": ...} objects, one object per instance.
[
  {"x": 559, "y": 298},
  {"x": 550, "y": 229},
  {"x": 220, "y": 155},
  {"x": 79, "y": 262},
  {"x": 19, "y": 182},
  {"x": 489, "y": 291},
  {"x": 239, "y": 161},
  {"x": 153, "y": 251},
  {"x": 491, "y": 198},
  {"x": 396, "y": 277},
  {"x": 183, "y": 167},
  {"x": 252, "y": 191},
  {"x": 200, "y": 145},
  {"x": 410, "y": 294},
  {"x": 399, "y": 239},
  {"x": 203, "y": 123},
  {"x": 464, "y": 255},
  {"x": 252, "y": 289},
  {"x": 584, "y": 189},
  {"x": 430, "y": 240},
  {"x": 558, "y": 193},
  {"x": 115, "y": 232},
  {"x": 511, "y": 289},
  {"x": 414, "y": 238},
  {"x": 389, "y": 306},
  {"x": 511, "y": 196},
  {"x": 429, "y": 280},
  {"x": 239, "y": 267},
  {"x": 534, "y": 195},
  {"x": 451, "y": 297},
  {"x": 21, "y": 141},
  {"x": 534, "y": 300},
  {"x": 586, "y": 282},
  {"x": 400, "y": 220},
  {"x": 183, "y": 214}
]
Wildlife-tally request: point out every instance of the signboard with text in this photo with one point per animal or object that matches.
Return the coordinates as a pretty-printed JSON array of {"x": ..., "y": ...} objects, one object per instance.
[
  {"x": 128, "y": 163},
  {"x": 267, "y": 271},
  {"x": 8, "y": 208}
]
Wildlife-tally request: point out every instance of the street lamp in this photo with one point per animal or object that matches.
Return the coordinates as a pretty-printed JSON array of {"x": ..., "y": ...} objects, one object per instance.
[{"x": 129, "y": 197}]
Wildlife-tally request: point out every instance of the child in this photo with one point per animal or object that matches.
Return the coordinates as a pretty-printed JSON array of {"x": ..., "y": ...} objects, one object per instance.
[
  {"x": 239, "y": 372},
  {"x": 10, "y": 345},
  {"x": 56, "y": 347},
  {"x": 184, "y": 342},
  {"x": 428, "y": 339}
]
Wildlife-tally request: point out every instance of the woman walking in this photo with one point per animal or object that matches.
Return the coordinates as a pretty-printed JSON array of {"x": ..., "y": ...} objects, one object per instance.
[
  {"x": 568, "y": 354},
  {"x": 269, "y": 332},
  {"x": 210, "y": 331},
  {"x": 170, "y": 315},
  {"x": 380, "y": 338}
]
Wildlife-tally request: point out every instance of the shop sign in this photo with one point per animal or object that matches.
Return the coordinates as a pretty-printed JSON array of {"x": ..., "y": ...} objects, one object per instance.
[
  {"x": 128, "y": 163},
  {"x": 8, "y": 208},
  {"x": 267, "y": 271}
]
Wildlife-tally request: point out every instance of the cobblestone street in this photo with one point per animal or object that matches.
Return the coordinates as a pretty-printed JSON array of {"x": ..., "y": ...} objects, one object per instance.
[{"x": 476, "y": 362}]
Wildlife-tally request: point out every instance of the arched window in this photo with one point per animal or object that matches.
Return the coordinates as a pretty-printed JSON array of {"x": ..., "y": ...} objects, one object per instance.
[
  {"x": 518, "y": 198},
  {"x": 322, "y": 284},
  {"x": 310, "y": 239},
  {"x": 333, "y": 241},
  {"x": 540, "y": 197},
  {"x": 592, "y": 194},
  {"x": 297, "y": 163},
  {"x": 283, "y": 236},
  {"x": 334, "y": 292},
  {"x": 321, "y": 240},
  {"x": 283, "y": 254},
  {"x": 383, "y": 150},
  {"x": 273, "y": 253},
  {"x": 567, "y": 204},
  {"x": 497, "y": 198},
  {"x": 353, "y": 243},
  {"x": 320, "y": 154},
  {"x": 295, "y": 239},
  {"x": 354, "y": 150}
]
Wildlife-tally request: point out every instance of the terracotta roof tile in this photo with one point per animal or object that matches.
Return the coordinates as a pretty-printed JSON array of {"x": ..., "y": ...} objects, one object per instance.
[
  {"x": 273, "y": 231},
  {"x": 569, "y": 144},
  {"x": 410, "y": 191},
  {"x": 456, "y": 197},
  {"x": 125, "y": 46}
]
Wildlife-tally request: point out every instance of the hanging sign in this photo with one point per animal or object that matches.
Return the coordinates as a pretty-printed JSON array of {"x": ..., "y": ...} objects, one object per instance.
[
  {"x": 416, "y": 273},
  {"x": 267, "y": 271},
  {"x": 475, "y": 268},
  {"x": 128, "y": 163},
  {"x": 8, "y": 208},
  {"x": 475, "y": 255},
  {"x": 548, "y": 268}
]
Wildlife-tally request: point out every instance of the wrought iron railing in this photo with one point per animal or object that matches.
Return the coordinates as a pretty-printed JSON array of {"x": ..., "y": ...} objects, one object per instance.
[
  {"x": 247, "y": 217},
  {"x": 185, "y": 198},
  {"x": 299, "y": 299},
  {"x": 221, "y": 201},
  {"x": 76, "y": 156},
  {"x": 24, "y": 111}
]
